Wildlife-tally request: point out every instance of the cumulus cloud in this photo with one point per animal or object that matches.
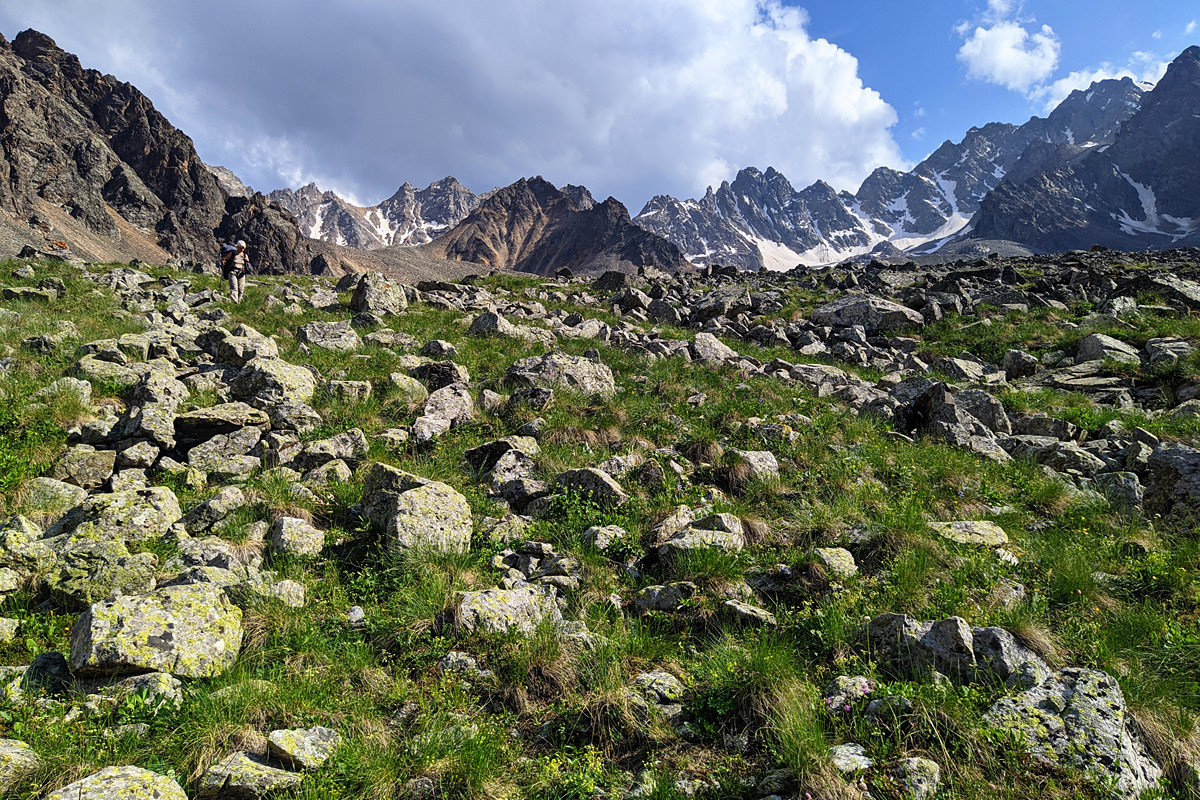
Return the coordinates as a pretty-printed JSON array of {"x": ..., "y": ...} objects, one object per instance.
[
  {"x": 1008, "y": 54},
  {"x": 1191, "y": 26},
  {"x": 1142, "y": 68},
  {"x": 628, "y": 97}
]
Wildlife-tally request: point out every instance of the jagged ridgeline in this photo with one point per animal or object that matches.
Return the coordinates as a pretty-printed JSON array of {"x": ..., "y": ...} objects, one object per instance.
[{"x": 863, "y": 533}]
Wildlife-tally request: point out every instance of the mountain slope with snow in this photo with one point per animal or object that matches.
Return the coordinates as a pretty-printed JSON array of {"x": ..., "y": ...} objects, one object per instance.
[
  {"x": 409, "y": 217},
  {"x": 760, "y": 222}
]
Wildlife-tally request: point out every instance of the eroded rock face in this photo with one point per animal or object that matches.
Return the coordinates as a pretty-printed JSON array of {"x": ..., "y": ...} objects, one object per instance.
[
  {"x": 189, "y": 631},
  {"x": 1077, "y": 718}
]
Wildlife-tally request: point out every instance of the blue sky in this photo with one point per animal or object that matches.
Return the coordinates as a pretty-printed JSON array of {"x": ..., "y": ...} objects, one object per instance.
[
  {"x": 908, "y": 52},
  {"x": 631, "y": 98}
]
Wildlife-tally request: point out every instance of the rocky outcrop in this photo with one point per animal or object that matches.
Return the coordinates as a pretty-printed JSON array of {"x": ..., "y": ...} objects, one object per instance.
[
  {"x": 88, "y": 158},
  {"x": 531, "y": 226}
]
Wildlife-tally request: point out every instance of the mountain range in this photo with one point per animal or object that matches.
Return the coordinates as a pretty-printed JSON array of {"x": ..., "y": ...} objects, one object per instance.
[{"x": 87, "y": 160}]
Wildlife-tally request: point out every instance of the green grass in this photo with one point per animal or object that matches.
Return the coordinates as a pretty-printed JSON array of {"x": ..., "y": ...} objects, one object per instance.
[{"x": 1093, "y": 598}]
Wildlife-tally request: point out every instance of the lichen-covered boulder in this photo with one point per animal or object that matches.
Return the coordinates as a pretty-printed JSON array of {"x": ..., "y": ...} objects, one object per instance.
[
  {"x": 135, "y": 514},
  {"x": 265, "y": 381},
  {"x": 560, "y": 371},
  {"x": 85, "y": 466},
  {"x": 52, "y": 496},
  {"x": 245, "y": 776},
  {"x": 918, "y": 778},
  {"x": 89, "y": 571},
  {"x": 304, "y": 748},
  {"x": 297, "y": 537},
  {"x": 521, "y": 609},
  {"x": 416, "y": 514},
  {"x": 190, "y": 631},
  {"x": 213, "y": 510},
  {"x": 16, "y": 759},
  {"x": 1077, "y": 718},
  {"x": 21, "y": 548},
  {"x": 348, "y": 446},
  {"x": 121, "y": 783}
]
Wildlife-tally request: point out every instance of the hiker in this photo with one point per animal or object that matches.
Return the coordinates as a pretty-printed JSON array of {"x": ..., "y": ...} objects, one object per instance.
[{"x": 234, "y": 265}]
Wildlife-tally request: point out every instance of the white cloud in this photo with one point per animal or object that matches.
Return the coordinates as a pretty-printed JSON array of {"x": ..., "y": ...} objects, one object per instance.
[
  {"x": 919, "y": 133},
  {"x": 1142, "y": 67},
  {"x": 628, "y": 97},
  {"x": 1156, "y": 35},
  {"x": 1009, "y": 55},
  {"x": 1191, "y": 26}
]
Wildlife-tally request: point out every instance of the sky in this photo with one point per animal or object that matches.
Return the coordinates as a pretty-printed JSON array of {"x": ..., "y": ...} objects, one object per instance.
[{"x": 631, "y": 98}]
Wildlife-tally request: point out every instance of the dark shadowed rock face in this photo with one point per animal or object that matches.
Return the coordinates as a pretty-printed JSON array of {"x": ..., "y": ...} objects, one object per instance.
[
  {"x": 1142, "y": 192},
  {"x": 94, "y": 146},
  {"x": 531, "y": 226}
]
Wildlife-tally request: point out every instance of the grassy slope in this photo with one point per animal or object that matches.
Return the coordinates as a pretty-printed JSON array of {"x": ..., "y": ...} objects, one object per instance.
[{"x": 401, "y": 720}]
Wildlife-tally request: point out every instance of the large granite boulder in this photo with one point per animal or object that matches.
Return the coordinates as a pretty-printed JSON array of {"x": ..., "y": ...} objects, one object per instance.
[
  {"x": 134, "y": 514},
  {"x": 416, "y": 514},
  {"x": 521, "y": 609},
  {"x": 874, "y": 314},
  {"x": 265, "y": 381},
  {"x": 339, "y": 337},
  {"x": 561, "y": 371},
  {"x": 378, "y": 294}
]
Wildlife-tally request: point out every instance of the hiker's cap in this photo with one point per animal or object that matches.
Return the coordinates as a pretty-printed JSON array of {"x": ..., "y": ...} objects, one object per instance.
[{"x": 241, "y": 243}]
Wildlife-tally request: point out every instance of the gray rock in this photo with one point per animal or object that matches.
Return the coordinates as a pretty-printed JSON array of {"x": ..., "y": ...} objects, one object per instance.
[
  {"x": 53, "y": 496},
  {"x": 339, "y": 337},
  {"x": 416, "y": 514},
  {"x": 592, "y": 484},
  {"x": 349, "y": 446},
  {"x": 245, "y": 776},
  {"x": 604, "y": 536},
  {"x": 981, "y": 532},
  {"x": 1099, "y": 347},
  {"x": 837, "y": 561},
  {"x": 85, "y": 466},
  {"x": 708, "y": 349},
  {"x": 296, "y": 537},
  {"x": 213, "y": 510},
  {"x": 874, "y": 314},
  {"x": 919, "y": 778},
  {"x": 561, "y": 371},
  {"x": 378, "y": 294},
  {"x": 741, "y": 613},
  {"x": 92, "y": 570},
  {"x": 670, "y": 597},
  {"x": 1019, "y": 364},
  {"x": 762, "y": 463},
  {"x": 1077, "y": 719},
  {"x": 452, "y": 403},
  {"x": 266, "y": 381},
  {"x": 850, "y": 759},
  {"x": 137, "y": 514},
  {"x": 948, "y": 646},
  {"x": 17, "y": 759},
  {"x": 1123, "y": 489}
]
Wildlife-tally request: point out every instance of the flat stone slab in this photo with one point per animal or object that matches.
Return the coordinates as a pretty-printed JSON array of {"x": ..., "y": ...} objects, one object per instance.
[{"x": 983, "y": 532}]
